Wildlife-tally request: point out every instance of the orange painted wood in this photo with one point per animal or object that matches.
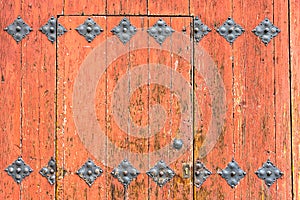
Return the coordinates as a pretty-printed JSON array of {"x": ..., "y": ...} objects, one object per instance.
[
  {"x": 295, "y": 92},
  {"x": 126, "y": 7},
  {"x": 10, "y": 90},
  {"x": 282, "y": 100},
  {"x": 71, "y": 152},
  {"x": 84, "y": 7},
  {"x": 38, "y": 98},
  {"x": 213, "y": 14},
  {"x": 181, "y": 188},
  {"x": 254, "y": 76},
  {"x": 259, "y": 117},
  {"x": 161, "y": 95},
  {"x": 115, "y": 134},
  {"x": 159, "y": 7},
  {"x": 139, "y": 109}
]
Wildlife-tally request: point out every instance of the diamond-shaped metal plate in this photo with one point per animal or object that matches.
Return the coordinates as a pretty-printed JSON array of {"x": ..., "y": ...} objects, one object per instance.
[
  {"x": 230, "y": 30},
  {"x": 125, "y": 173},
  {"x": 201, "y": 173},
  {"x": 161, "y": 173},
  {"x": 160, "y": 31},
  {"x": 89, "y": 29},
  {"x": 49, "y": 171},
  {"x": 124, "y": 31},
  {"x": 232, "y": 173},
  {"x": 18, "y": 170},
  {"x": 266, "y": 31},
  {"x": 269, "y": 173},
  {"x": 18, "y": 29},
  {"x": 89, "y": 172},
  {"x": 200, "y": 29},
  {"x": 51, "y": 30}
]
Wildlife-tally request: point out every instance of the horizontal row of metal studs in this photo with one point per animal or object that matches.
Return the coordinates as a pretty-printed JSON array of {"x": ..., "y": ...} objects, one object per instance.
[
  {"x": 160, "y": 173},
  {"x": 230, "y": 30}
]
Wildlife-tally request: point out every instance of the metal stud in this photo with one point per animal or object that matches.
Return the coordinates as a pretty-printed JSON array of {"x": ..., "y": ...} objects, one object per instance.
[
  {"x": 266, "y": 31},
  {"x": 89, "y": 172},
  {"x": 18, "y": 29},
  {"x": 201, "y": 173},
  {"x": 125, "y": 173},
  {"x": 230, "y": 30},
  {"x": 89, "y": 29},
  {"x": 177, "y": 143},
  {"x": 18, "y": 170},
  {"x": 51, "y": 29},
  {"x": 232, "y": 173},
  {"x": 161, "y": 173},
  {"x": 124, "y": 31},
  {"x": 160, "y": 31},
  {"x": 49, "y": 171},
  {"x": 200, "y": 29},
  {"x": 269, "y": 173}
]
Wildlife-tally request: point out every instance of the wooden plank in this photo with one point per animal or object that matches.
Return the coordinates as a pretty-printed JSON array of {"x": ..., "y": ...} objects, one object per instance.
[
  {"x": 160, "y": 7},
  {"x": 38, "y": 98},
  {"x": 117, "y": 136},
  {"x": 125, "y": 7},
  {"x": 295, "y": 92},
  {"x": 254, "y": 105},
  {"x": 10, "y": 90},
  {"x": 73, "y": 147},
  {"x": 84, "y": 7},
  {"x": 282, "y": 100},
  {"x": 159, "y": 94},
  {"x": 139, "y": 109},
  {"x": 181, "y": 97},
  {"x": 222, "y": 153}
]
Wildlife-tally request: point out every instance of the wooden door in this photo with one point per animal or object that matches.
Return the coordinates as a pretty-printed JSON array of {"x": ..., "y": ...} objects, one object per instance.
[{"x": 129, "y": 105}]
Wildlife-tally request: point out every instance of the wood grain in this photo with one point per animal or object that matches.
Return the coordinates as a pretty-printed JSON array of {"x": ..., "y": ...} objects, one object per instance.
[
  {"x": 161, "y": 95},
  {"x": 262, "y": 98},
  {"x": 38, "y": 98},
  {"x": 295, "y": 92},
  {"x": 72, "y": 154},
  {"x": 282, "y": 100},
  {"x": 126, "y": 7},
  {"x": 220, "y": 52},
  {"x": 160, "y": 7},
  {"x": 10, "y": 101},
  {"x": 139, "y": 108},
  {"x": 84, "y": 7},
  {"x": 254, "y": 105},
  {"x": 181, "y": 59}
]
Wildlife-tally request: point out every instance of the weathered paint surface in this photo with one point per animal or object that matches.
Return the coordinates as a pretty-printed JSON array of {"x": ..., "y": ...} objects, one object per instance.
[
  {"x": 295, "y": 91},
  {"x": 261, "y": 84}
]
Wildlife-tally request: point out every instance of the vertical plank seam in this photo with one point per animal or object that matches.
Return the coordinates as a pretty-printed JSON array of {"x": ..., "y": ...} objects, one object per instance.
[
  {"x": 192, "y": 79},
  {"x": 106, "y": 9},
  {"x": 21, "y": 98},
  {"x": 290, "y": 100},
  {"x": 129, "y": 67},
  {"x": 233, "y": 81},
  {"x": 171, "y": 107},
  {"x": 63, "y": 8},
  {"x": 56, "y": 110},
  {"x": 189, "y": 7},
  {"x": 274, "y": 92},
  {"x": 106, "y": 101},
  {"x": 147, "y": 8},
  {"x": 232, "y": 91},
  {"x": 148, "y": 60},
  {"x": 106, "y": 107}
]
